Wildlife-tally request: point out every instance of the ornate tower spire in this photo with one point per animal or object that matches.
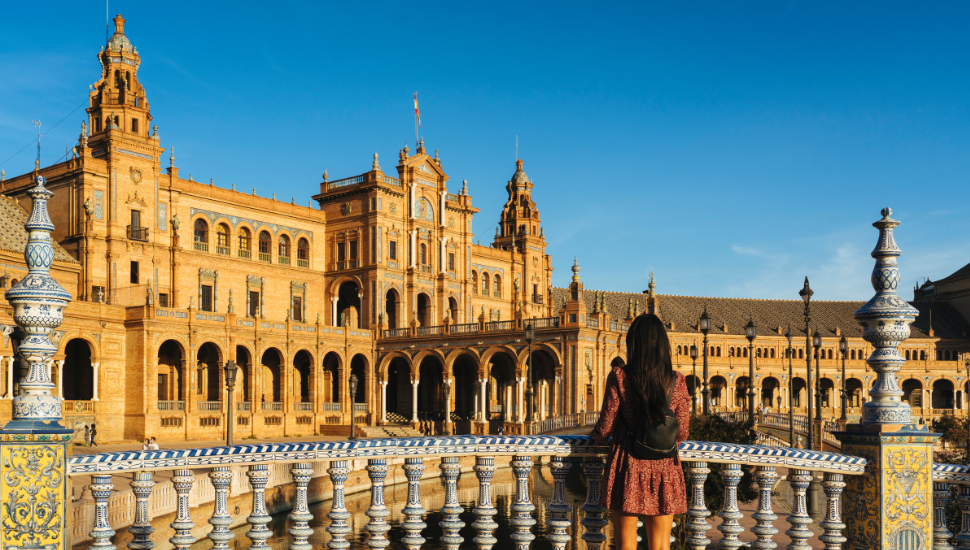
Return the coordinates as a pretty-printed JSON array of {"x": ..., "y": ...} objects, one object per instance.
[
  {"x": 575, "y": 269},
  {"x": 38, "y": 302},
  {"x": 885, "y": 321}
]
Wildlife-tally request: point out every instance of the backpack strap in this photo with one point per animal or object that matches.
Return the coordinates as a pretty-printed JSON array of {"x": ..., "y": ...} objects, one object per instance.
[{"x": 670, "y": 392}]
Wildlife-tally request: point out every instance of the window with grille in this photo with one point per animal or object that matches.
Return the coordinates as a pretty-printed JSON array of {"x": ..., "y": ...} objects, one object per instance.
[
  {"x": 264, "y": 243},
  {"x": 134, "y": 273},
  {"x": 205, "y": 301},
  {"x": 393, "y": 250},
  {"x": 253, "y": 304},
  {"x": 298, "y": 308},
  {"x": 451, "y": 261},
  {"x": 163, "y": 299},
  {"x": 353, "y": 250}
]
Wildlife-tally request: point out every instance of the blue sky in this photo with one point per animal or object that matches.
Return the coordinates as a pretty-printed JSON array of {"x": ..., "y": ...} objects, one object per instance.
[{"x": 731, "y": 148}]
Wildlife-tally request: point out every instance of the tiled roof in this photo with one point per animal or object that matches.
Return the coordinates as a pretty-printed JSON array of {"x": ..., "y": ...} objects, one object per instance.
[
  {"x": 962, "y": 272},
  {"x": 768, "y": 315},
  {"x": 13, "y": 236}
]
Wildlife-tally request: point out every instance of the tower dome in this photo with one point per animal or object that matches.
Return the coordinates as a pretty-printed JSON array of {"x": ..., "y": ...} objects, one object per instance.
[
  {"x": 118, "y": 41},
  {"x": 519, "y": 177}
]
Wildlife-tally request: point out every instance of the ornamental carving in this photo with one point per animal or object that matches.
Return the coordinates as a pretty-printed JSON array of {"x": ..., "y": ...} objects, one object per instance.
[
  {"x": 345, "y": 208},
  {"x": 135, "y": 174},
  {"x": 33, "y": 501}
]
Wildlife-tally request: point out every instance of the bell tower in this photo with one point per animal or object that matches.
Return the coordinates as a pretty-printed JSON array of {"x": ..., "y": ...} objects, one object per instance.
[{"x": 118, "y": 101}]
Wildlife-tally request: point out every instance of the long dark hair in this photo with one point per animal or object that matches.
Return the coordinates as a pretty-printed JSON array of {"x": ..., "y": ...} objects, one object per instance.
[{"x": 649, "y": 367}]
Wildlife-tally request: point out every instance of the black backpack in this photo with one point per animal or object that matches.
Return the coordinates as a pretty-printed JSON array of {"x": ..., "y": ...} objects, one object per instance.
[{"x": 656, "y": 441}]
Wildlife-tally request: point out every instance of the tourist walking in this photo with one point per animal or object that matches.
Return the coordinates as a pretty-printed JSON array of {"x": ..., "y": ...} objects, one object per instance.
[
  {"x": 87, "y": 435},
  {"x": 636, "y": 394},
  {"x": 94, "y": 433}
]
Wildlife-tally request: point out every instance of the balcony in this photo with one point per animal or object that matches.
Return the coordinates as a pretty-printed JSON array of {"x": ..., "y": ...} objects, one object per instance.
[
  {"x": 137, "y": 233},
  {"x": 171, "y": 405},
  {"x": 224, "y": 250},
  {"x": 537, "y": 299},
  {"x": 265, "y": 257},
  {"x": 330, "y": 407},
  {"x": 285, "y": 260},
  {"x": 209, "y": 406},
  {"x": 273, "y": 406},
  {"x": 346, "y": 264},
  {"x": 303, "y": 407},
  {"x": 201, "y": 246},
  {"x": 244, "y": 406},
  {"x": 242, "y": 253},
  {"x": 425, "y": 268},
  {"x": 302, "y": 263}
]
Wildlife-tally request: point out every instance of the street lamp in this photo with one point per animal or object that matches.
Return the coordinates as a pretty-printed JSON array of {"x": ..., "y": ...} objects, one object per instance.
[
  {"x": 705, "y": 326},
  {"x": 967, "y": 364},
  {"x": 806, "y": 294},
  {"x": 230, "y": 372},
  {"x": 693, "y": 389},
  {"x": 530, "y": 336},
  {"x": 791, "y": 387},
  {"x": 353, "y": 400},
  {"x": 817, "y": 343},
  {"x": 447, "y": 423},
  {"x": 844, "y": 348},
  {"x": 751, "y": 332}
]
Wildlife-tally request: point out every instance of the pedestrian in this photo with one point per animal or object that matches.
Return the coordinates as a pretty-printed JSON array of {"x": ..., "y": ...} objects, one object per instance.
[
  {"x": 147, "y": 445},
  {"x": 94, "y": 433},
  {"x": 153, "y": 445},
  {"x": 634, "y": 395},
  {"x": 87, "y": 435}
]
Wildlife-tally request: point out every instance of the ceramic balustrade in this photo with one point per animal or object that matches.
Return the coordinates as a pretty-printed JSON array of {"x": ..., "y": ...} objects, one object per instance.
[{"x": 300, "y": 461}]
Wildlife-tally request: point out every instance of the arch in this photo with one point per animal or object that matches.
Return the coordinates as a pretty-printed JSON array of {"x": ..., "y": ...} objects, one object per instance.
[
  {"x": 265, "y": 246},
  {"x": 303, "y": 251},
  {"x": 271, "y": 376},
  {"x": 913, "y": 392},
  {"x": 358, "y": 368},
  {"x": 244, "y": 374},
  {"x": 200, "y": 231},
  {"x": 245, "y": 240},
  {"x": 392, "y": 303},
  {"x": 852, "y": 354},
  {"x": 349, "y": 313},
  {"x": 474, "y": 282},
  {"x": 464, "y": 369},
  {"x": 798, "y": 393},
  {"x": 330, "y": 371},
  {"x": 302, "y": 379},
  {"x": 907, "y": 355},
  {"x": 770, "y": 394},
  {"x": 827, "y": 387},
  {"x": 718, "y": 350},
  {"x": 78, "y": 375},
  {"x": 830, "y": 354},
  {"x": 453, "y": 308},
  {"x": 171, "y": 359},
  {"x": 209, "y": 372},
  {"x": 222, "y": 238},
  {"x": 741, "y": 393},
  {"x": 853, "y": 392},
  {"x": 943, "y": 394},
  {"x": 801, "y": 353},
  {"x": 399, "y": 398},
  {"x": 744, "y": 352},
  {"x": 283, "y": 246},
  {"x": 424, "y": 254},
  {"x": 772, "y": 352},
  {"x": 497, "y": 285},
  {"x": 922, "y": 355},
  {"x": 716, "y": 387},
  {"x": 431, "y": 393},
  {"x": 486, "y": 281},
  {"x": 423, "y": 309},
  {"x": 500, "y": 364}
]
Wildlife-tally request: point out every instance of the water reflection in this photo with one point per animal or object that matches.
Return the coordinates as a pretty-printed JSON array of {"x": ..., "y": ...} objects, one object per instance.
[{"x": 432, "y": 499}]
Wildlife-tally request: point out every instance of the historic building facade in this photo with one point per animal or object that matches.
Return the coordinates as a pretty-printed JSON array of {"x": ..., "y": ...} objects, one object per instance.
[{"x": 379, "y": 279}]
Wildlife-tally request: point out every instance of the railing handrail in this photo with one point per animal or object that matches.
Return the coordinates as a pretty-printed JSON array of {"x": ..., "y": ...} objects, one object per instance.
[{"x": 427, "y": 447}]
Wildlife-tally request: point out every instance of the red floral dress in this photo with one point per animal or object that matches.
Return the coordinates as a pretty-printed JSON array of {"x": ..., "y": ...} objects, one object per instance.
[{"x": 645, "y": 487}]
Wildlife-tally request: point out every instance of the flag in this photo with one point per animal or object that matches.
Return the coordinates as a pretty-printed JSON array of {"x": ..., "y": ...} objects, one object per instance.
[{"x": 417, "y": 113}]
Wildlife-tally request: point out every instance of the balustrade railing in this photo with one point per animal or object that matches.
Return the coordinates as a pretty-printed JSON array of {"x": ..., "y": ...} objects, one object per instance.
[
  {"x": 209, "y": 406},
  {"x": 397, "y": 332},
  {"x": 330, "y": 407},
  {"x": 428, "y": 331},
  {"x": 464, "y": 328},
  {"x": 171, "y": 405},
  {"x": 273, "y": 406},
  {"x": 301, "y": 407},
  {"x": 244, "y": 406},
  {"x": 360, "y": 407},
  {"x": 267, "y": 464},
  {"x": 496, "y": 326},
  {"x": 544, "y": 322}
]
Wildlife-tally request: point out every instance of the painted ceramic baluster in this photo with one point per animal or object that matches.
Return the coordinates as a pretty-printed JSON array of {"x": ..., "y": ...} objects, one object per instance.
[
  {"x": 962, "y": 539},
  {"x": 450, "y": 524},
  {"x": 141, "y": 530},
  {"x": 698, "y": 513},
  {"x": 300, "y": 530},
  {"x": 484, "y": 470},
  {"x": 182, "y": 482},
  {"x": 377, "y": 526},
  {"x": 221, "y": 535},
  {"x": 593, "y": 521},
  {"x": 338, "y": 515},
  {"x": 731, "y": 475},
  {"x": 833, "y": 485},
  {"x": 522, "y": 508},
  {"x": 765, "y": 476},
  {"x": 258, "y": 532},
  {"x": 941, "y": 535},
  {"x": 101, "y": 488},
  {"x": 413, "y": 470},
  {"x": 799, "y": 520}
]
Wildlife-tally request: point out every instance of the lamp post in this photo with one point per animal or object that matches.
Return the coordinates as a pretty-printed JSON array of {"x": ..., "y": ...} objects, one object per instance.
[
  {"x": 806, "y": 294},
  {"x": 693, "y": 389},
  {"x": 530, "y": 336},
  {"x": 705, "y": 326},
  {"x": 750, "y": 332},
  {"x": 844, "y": 348},
  {"x": 817, "y": 343},
  {"x": 353, "y": 400},
  {"x": 967, "y": 420},
  {"x": 791, "y": 387},
  {"x": 446, "y": 426},
  {"x": 230, "y": 372}
]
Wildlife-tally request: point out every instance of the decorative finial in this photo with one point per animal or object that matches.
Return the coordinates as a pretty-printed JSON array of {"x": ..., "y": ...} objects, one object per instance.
[
  {"x": 274, "y": 196},
  {"x": 652, "y": 286},
  {"x": 155, "y": 131},
  {"x": 212, "y": 181},
  {"x": 436, "y": 159},
  {"x": 375, "y": 166},
  {"x": 231, "y": 309},
  {"x": 542, "y": 232},
  {"x": 464, "y": 187},
  {"x": 234, "y": 187},
  {"x": 190, "y": 177},
  {"x": 575, "y": 267},
  {"x": 171, "y": 157},
  {"x": 150, "y": 295},
  {"x": 325, "y": 175}
]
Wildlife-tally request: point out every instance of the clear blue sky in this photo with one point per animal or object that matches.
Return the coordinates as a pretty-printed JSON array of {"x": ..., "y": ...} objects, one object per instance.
[{"x": 732, "y": 148}]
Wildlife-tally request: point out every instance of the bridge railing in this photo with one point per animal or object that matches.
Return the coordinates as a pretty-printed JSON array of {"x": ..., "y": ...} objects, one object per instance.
[{"x": 304, "y": 460}]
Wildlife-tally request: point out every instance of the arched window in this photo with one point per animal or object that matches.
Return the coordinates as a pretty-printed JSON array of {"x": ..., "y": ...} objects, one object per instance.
[
  {"x": 830, "y": 354},
  {"x": 485, "y": 281},
  {"x": 201, "y": 235},
  {"x": 744, "y": 352},
  {"x": 222, "y": 239},
  {"x": 922, "y": 355},
  {"x": 772, "y": 353},
  {"x": 718, "y": 354},
  {"x": 907, "y": 355},
  {"x": 245, "y": 238},
  {"x": 474, "y": 282},
  {"x": 730, "y": 352},
  {"x": 284, "y": 244},
  {"x": 265, "y": 247},
  {"x": 946, "y": 355},
  {"x": 303, "y": 252},
  {"x": 497, "y": 283},
  {"x": 424, "y": 254},
  {"x": 801, "y": 354}
]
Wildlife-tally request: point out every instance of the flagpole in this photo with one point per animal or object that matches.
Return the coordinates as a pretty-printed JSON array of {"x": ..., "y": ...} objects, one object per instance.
[{"x": 415, "y": 119}]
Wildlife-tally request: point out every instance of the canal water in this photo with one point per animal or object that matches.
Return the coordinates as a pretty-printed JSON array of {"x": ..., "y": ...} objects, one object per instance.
[{"x": 432, "y": 499}]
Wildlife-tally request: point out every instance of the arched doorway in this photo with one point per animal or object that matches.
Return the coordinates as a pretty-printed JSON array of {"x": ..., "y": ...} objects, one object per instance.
[
  {"x": 465, "y": 384},
  {"x": 717, "y": 387},
  {"x": 392, "y": 302},
  {"x": 348, "y": 305},
  {"x": 453, "y": 310},
  {"x": 358, "y": 368},
  {"x": 424, "y": 310},
  {"x": 942, "y": 394},
  {"x": 170, "y": 371},
  {"x": 209, "y": 365},
  {"x": 302, "y": 369},
  {"x": 500, "y": 395},
  {"x": 741, "y": 393},
  {"x": 853, "y": 390},
  {"x": 770, "y": 396},
  {"x": 544, "y": 383},
  {"x": 827, "y": 386},
  {"x": 431, "y": 389},
  {"x": 399, "y": 391},
  {"x": 331, "y": 379},
  {"x": 271, "y": 376},
  {"x": 244, "y": 374},
  {"x": 78, "y": 375},
  {"x": 798, "y": 393},
  {"x": 913, "y": 393}
]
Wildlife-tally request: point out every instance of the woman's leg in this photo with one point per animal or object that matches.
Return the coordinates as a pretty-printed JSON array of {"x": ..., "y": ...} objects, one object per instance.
[
  {"x": 624, "y": 529},
  {"x": 658, "y": 531}
]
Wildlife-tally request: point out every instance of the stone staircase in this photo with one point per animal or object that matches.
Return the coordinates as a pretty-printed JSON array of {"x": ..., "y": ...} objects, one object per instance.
[{"x": 388, "y": 430}]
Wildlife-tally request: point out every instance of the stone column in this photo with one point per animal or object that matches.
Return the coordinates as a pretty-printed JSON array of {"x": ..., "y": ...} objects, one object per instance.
[
  {"x": 333, "y": 302},
  {"x": 519, "y": 400},
  {"x": 483, "y": 405},
  {"x": 414, "y": 400},
  {"x": 11, "y": 365},
  {"x": 384, "y": 401},
  {"x": 414, "y": 251},
  {"x": 60, "y": 378},
  {"x": 448, "y": 390},
  {"x": 95, "y": 367}
]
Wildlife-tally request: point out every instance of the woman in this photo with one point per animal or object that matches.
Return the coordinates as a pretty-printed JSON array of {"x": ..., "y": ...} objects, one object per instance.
[{"x": 634, "y": 394}]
